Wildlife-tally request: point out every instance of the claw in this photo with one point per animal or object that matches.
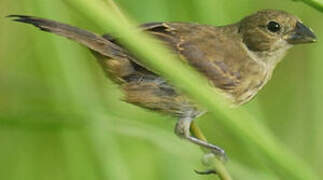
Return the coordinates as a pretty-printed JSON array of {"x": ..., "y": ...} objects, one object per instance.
[{"x": 206, "y": 172}]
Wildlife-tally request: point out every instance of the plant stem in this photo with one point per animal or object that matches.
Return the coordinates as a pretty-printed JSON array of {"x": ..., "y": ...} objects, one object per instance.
[
  {"x": 116, "y": 10},
  {"x": 317, "y": 4}
]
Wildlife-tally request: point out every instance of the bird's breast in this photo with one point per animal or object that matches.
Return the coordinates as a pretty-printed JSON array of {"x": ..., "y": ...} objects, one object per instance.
[{"x": 250, "y": 85}]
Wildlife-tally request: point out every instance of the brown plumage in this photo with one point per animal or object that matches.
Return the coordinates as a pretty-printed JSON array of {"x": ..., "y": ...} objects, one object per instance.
[{"x": 238, "y": 59}]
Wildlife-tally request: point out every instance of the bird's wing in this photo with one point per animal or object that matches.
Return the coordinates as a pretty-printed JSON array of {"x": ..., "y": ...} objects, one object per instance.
[{"x": 203, "y": 48}]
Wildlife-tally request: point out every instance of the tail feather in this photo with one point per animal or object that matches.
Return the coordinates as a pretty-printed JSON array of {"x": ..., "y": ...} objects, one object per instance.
[{"x": 91, "y": 40}]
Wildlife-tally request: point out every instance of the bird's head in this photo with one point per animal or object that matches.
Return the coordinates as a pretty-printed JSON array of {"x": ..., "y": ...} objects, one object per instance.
[{"x": 272, "y": 30}]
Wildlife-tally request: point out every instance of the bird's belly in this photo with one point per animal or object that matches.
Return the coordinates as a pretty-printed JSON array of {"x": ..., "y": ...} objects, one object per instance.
[{"x": 152, "y": 92}]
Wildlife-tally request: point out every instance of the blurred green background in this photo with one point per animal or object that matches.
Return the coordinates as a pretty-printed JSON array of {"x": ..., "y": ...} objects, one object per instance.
[{"x": 60, "y": 118}]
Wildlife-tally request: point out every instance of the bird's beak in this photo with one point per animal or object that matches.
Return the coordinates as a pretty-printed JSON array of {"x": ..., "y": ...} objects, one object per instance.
[{"x": 301, "y": 34}]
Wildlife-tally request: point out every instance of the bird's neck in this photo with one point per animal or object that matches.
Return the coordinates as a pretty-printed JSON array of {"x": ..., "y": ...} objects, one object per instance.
[{"x": 271, "y": 58}]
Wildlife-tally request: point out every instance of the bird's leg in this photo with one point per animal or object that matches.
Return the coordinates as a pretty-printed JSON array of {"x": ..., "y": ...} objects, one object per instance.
[{"x": 182, "y": 129}]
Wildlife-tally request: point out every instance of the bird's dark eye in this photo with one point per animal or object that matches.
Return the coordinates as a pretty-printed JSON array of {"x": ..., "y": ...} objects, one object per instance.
[{"x": 273, "y": 26}]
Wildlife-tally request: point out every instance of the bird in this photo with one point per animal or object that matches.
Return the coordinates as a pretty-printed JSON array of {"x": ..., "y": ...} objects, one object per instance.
[{"x": 238, "y": 59}]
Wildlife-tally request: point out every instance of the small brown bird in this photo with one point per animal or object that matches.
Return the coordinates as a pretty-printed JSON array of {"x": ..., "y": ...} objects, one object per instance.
[{"x": 238, "y": 59}]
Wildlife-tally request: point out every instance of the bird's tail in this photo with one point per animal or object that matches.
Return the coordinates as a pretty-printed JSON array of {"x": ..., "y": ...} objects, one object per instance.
[
  {"x": 114, "y": 60},
  {"x": 91, "y": 40}
]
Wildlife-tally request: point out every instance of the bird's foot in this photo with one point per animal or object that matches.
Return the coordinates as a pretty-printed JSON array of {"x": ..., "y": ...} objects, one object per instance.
[{"x": 213, "y": 162}]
